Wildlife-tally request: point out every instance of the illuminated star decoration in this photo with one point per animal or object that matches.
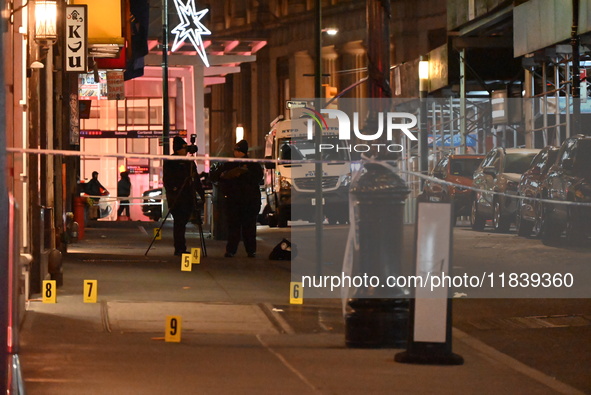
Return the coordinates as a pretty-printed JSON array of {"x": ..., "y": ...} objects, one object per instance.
[{"x": 190, "y": 28}]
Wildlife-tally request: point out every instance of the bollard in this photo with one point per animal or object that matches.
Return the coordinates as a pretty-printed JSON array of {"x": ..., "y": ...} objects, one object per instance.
[
  {"x": 377, "y": 319},
  {"x": 79, "y": 214}
]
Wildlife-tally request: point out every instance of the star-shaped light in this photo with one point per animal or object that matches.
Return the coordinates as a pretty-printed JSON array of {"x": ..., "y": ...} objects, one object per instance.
[{"x": 190, "y": 27}]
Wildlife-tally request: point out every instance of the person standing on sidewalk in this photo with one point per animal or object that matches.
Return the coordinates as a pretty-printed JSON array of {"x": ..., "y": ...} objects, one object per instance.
[
  {"x": 95, "y": 188},
  {"x": 124, "y": 190},
  {"x": 240, "y": 188},
  {"x": 181, "y": 181}
]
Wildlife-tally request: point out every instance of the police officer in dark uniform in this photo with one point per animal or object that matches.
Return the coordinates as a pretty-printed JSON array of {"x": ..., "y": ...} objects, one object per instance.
[
  {"x": 181, "y": 182},
  {"x": 239, "y": 185}
]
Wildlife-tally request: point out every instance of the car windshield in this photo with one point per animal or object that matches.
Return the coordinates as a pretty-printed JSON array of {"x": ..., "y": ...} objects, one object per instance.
[
  {"x": 582, "y": 163},
  {"x": 464, "y": 167},
  {"x": 303, "y": 149},
  {"x": 518, "y": 163}
]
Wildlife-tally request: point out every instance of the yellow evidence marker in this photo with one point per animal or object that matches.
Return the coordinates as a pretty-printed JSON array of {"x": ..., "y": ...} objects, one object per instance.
[
  {"x": 90, "y": 291},
  {"x": 195, "y": 256},
  {"x": 186, "y": 265},
  {"x": 157, "y": 234},
  {"x": 173, "y": 329},
  {"x": 49, "y": 291},
  {"x": 296, "y": 293}
]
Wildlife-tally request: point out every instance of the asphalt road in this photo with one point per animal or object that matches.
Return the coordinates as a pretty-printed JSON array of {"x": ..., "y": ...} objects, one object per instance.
[{"x": 530, "y": 322}]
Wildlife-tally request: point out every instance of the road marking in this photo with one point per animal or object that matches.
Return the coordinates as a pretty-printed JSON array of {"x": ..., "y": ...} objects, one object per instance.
[
  {"x": 288, "y": 365},
  {"x": 522, "y": 368},
  {"x": 281, "y": 322}
]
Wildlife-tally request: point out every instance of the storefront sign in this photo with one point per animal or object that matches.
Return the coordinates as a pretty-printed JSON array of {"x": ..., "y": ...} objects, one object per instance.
[
  {"x": 115, "y": 85},
  {"x": 74, "y": 120},
  {"x": 135, "y": 169},
  {"x": 76, "y": 39},
  {"x": 129, "y": 134}
]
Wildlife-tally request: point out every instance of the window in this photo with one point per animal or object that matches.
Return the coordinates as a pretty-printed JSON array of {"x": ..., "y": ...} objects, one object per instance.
[
  {"x": 583, "y": 158},
  {"x": 488, "y": 161},
  {"x": 464, "y": 167},
  {"x": 517, "y": 163}
]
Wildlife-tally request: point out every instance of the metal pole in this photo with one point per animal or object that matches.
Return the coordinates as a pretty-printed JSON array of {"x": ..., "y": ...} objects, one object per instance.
[
  {"x": 463, "y": 88},
  {"x": 165, "y": 107},
  {"x": 528, "y": 108},
  {"x": 318, "y": 135},
  {"x": 576, "y": 86},
  {"x": 377, "y": 318},
  {"x": 4, "y": 262}
]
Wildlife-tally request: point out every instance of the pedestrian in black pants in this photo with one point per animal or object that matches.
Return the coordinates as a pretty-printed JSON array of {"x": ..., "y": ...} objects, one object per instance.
[
  {"x": 239, "y": 185},
  {"x": 182, "y": 183},
  {"x": 123, "y": 190}
]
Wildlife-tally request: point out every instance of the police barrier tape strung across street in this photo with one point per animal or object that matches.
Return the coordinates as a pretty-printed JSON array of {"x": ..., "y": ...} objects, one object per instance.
[
  {"x": 513, "y": 280},
  {"x": 204, "y": 158}
]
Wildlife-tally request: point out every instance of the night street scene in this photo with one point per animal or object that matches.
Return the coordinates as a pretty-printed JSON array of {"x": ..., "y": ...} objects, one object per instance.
[{"x": 295, "y": 197}]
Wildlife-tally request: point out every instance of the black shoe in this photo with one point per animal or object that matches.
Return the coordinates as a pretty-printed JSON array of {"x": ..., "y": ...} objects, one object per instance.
[
  {"x": 252, "y": 255},
  {"x": 228, "y": 255},
  {"x": 180, "y": 253}
]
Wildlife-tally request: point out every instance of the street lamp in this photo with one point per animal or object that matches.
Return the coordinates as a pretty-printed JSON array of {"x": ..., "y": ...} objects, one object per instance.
[
  {"x": 45, "y": 21},
  {"x": 423, "y": 75},
  {"x": 239, "y": 133},
  {"x": 45, "y": 37}
]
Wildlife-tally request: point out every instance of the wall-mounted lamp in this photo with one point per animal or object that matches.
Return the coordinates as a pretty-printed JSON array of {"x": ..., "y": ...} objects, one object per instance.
[
  {"x": 239, "y": 133},
  {"x": 331, "y": 31},
  {"x": 45, "y": 21}
]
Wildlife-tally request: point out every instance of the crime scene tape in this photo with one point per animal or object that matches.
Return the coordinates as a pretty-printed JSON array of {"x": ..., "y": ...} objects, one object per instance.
[{"x": 206, "y": 158}]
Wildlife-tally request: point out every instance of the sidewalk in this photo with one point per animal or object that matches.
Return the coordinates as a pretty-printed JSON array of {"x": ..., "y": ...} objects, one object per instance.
[{"x": 235, "y": 338}]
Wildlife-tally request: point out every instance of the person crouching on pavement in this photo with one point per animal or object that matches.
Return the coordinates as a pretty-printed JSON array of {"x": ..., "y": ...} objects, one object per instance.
[
  {"x": 181, "y": 181},
  {"x": 239, "y": 185}
]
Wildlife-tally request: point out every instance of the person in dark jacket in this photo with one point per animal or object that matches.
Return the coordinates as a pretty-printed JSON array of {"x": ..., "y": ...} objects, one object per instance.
[
  {"x": 181, "y": 181},
  {"x": 95, "y": 188},
  {"x": 124, "y": 190},
  {"x": 239, "y": 185}
]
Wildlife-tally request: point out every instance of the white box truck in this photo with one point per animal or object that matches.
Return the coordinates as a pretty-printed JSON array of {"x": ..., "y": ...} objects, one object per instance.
[{"x": 290, "y": 187}]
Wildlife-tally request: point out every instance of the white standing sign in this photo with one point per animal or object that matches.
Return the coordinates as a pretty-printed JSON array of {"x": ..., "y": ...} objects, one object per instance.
[
  {"x": 433, "y": 252},
  {"x": 76, "y": 38}
]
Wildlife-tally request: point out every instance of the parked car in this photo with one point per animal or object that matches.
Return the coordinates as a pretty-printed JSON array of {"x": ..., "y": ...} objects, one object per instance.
[
  {"x": 498, "y": 177},
  {"x": 528, "y": 208},
  {"x": 568, "y": 180},
  {"x": 458, "y": 170},
  {"x": 152, "y": 204}
]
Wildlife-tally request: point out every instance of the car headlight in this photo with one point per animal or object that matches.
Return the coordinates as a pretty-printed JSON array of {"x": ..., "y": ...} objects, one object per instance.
[
  {"x": 583, "y": 193},
  {"x": 284, "y": 183},
  {"x": 346, "y": 180}
]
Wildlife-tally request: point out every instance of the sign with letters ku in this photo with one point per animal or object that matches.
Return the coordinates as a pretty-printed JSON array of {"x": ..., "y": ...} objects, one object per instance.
[{"x": 76, "y": 37}]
